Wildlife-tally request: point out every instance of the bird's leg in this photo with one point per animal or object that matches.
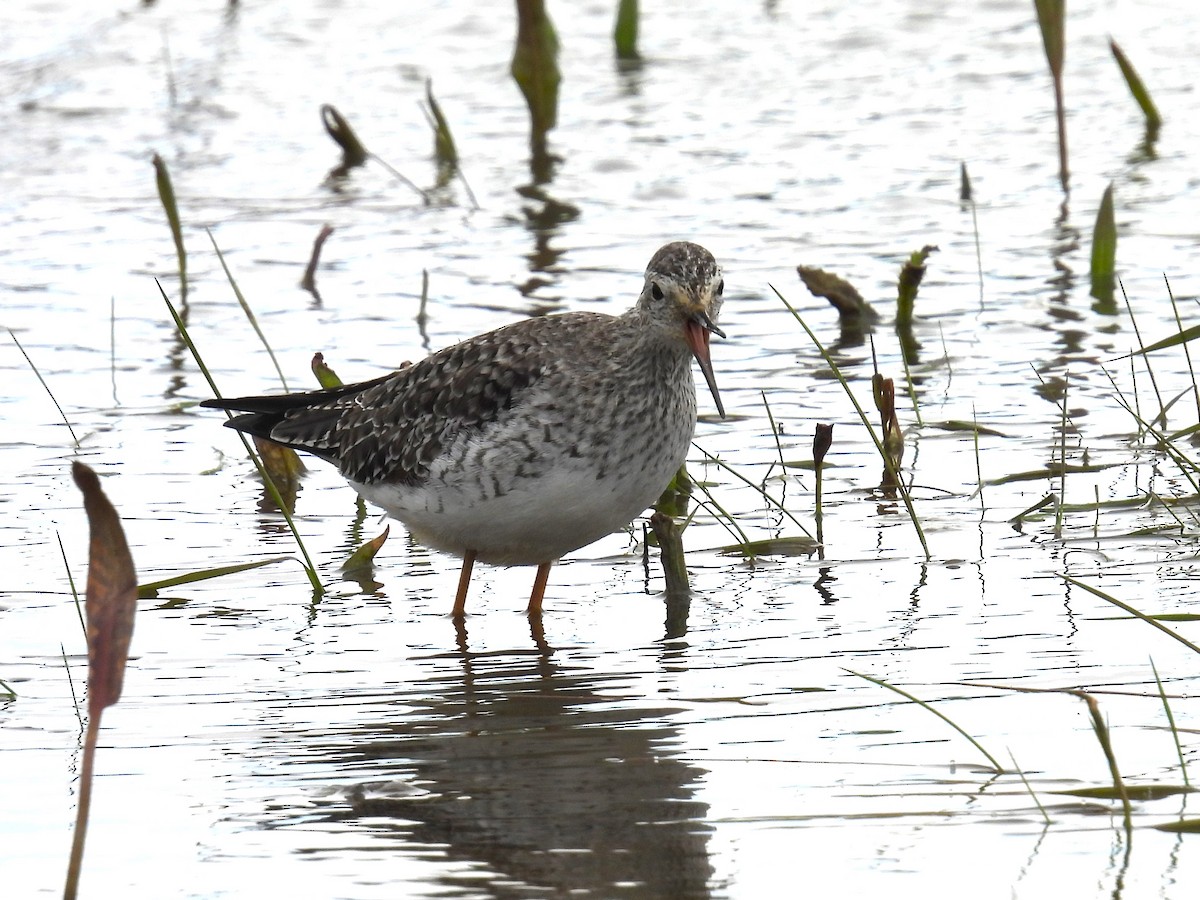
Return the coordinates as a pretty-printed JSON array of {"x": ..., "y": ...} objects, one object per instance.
[
  {"x": 464, "y": 581},
  {"x": 539, "y": 589}
]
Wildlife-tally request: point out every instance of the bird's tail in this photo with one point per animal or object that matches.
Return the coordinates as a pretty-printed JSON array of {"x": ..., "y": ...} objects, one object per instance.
[{"x": 302, "y": 421}]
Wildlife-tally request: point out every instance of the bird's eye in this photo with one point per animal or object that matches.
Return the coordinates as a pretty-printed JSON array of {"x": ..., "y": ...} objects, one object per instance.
[
  {"x": 655, "y": 291},
  {"x": 720, "y": 287}
]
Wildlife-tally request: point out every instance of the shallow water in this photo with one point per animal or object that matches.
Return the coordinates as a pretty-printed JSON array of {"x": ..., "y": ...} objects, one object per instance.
[{"x": 350, "y": 747}]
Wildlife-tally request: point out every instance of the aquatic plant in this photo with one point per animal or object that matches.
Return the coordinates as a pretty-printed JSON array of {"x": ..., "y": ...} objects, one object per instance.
[
  {"x": 272, "y": 490},
  {"x": 444, "y": 149},
  {"x": 166, "y": 194},
  {"x": 309, "y": 280},
  {"x": 1141, "y": 93},
  {"x": 668, "y": 521},
  {"x": 999, "y": 769},
  {"x": 111, "y": 605},
  {"x": 535, "y": 70},
  {"x": 822, "y": 441},
  {"x": 1104, "y": 253},
  {"x": 625, "y": 31},
  {"x": 46, "y": 387},
  {"x": 900, "y": 486},
  {"x": 1051, "y": 16},
  {"x": 966, "y": 196},
  {"x": 354, "y": 153}
]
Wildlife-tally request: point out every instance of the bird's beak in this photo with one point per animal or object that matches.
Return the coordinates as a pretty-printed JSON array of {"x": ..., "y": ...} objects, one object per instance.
[{"x": 696, "y": 330}]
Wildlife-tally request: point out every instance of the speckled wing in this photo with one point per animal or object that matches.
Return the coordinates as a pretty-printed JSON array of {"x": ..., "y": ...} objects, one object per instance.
[
  {"x": 390, "y": 429},
  {"x": 395, "y": 428}
]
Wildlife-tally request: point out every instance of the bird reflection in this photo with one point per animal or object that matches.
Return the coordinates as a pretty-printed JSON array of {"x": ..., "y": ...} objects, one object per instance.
[{"x": 539, "y": 772}]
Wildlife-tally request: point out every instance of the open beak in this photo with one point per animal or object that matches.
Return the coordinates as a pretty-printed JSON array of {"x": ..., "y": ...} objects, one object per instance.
[{"x": 696, "y": 330}]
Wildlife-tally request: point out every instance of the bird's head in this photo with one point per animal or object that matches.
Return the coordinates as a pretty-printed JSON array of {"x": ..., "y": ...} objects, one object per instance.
[{"x": 683, "y": 292}]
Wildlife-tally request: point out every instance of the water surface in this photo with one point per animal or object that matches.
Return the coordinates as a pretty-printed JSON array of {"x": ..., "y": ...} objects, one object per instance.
[{"x": 356, "y": 746}]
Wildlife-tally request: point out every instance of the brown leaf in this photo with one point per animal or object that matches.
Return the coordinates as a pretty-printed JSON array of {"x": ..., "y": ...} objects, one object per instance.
[
  {"x": 309, "y": 281},
  {"x": 111, "y": 594},
  {"x": 840, "y": 293},
  {"x": 822, "y": 441},
  {"x": 353, "y": 151},
  {"x": 282, "y": 463}
]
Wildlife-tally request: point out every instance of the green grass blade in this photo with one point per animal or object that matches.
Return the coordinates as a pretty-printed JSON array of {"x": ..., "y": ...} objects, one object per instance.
[
  {"x": 150, "y": 590},
  {"x": 1162, "y": 693},
  {"x": 1104, "y": 252},
  {"x": 1163, "y": 408},
  {"x": 1149, "y": 620},
  {"x": 166, "y": 194},
  {"x": 788, "y": 546},
  {"x": 966, "y": 195},
  {"x": 1182, "y": 459},
  {"x": 1141, "y": 792},
  {"x": 310, "y": 569},
  {"x": 443, "y": 141},
  {"x": 42, "y": 381},
  {"x": 1029, "y": 787},
  {"x": 926, "y": 706},
  {"x": 71, "y": 582},
  {"x": 70, "y": 684},
  {"x": 1138, "y": 88},
  {"x": 1104, "y": 736},
  {"x": 1187, "y": 353},
  {"x": 912, "y": 391},
  {"x": 1054, "y": 470},
  {"x": 237, "y": 292},
  {"x": 738, "y": 475},
  {"x": 444, "y": 148},
  {"x": 972, "y": 427},
  {"x": 774, "y": 428},
  {"x": 1183, "y": 826},
  {"x": 399, "y": 176},
  {"x": 1185, "y": 336},
  {"x": 723, "y": 517},
  {"x": 978, "y": 459}
]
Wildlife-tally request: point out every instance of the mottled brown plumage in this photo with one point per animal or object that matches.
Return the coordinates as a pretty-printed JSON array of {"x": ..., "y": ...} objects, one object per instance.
[{"x": 525, "y": 443}]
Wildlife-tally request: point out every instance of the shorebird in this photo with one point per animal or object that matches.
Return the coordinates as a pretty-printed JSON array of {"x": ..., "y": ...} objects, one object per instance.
[{"x": 520, "y": 445}]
